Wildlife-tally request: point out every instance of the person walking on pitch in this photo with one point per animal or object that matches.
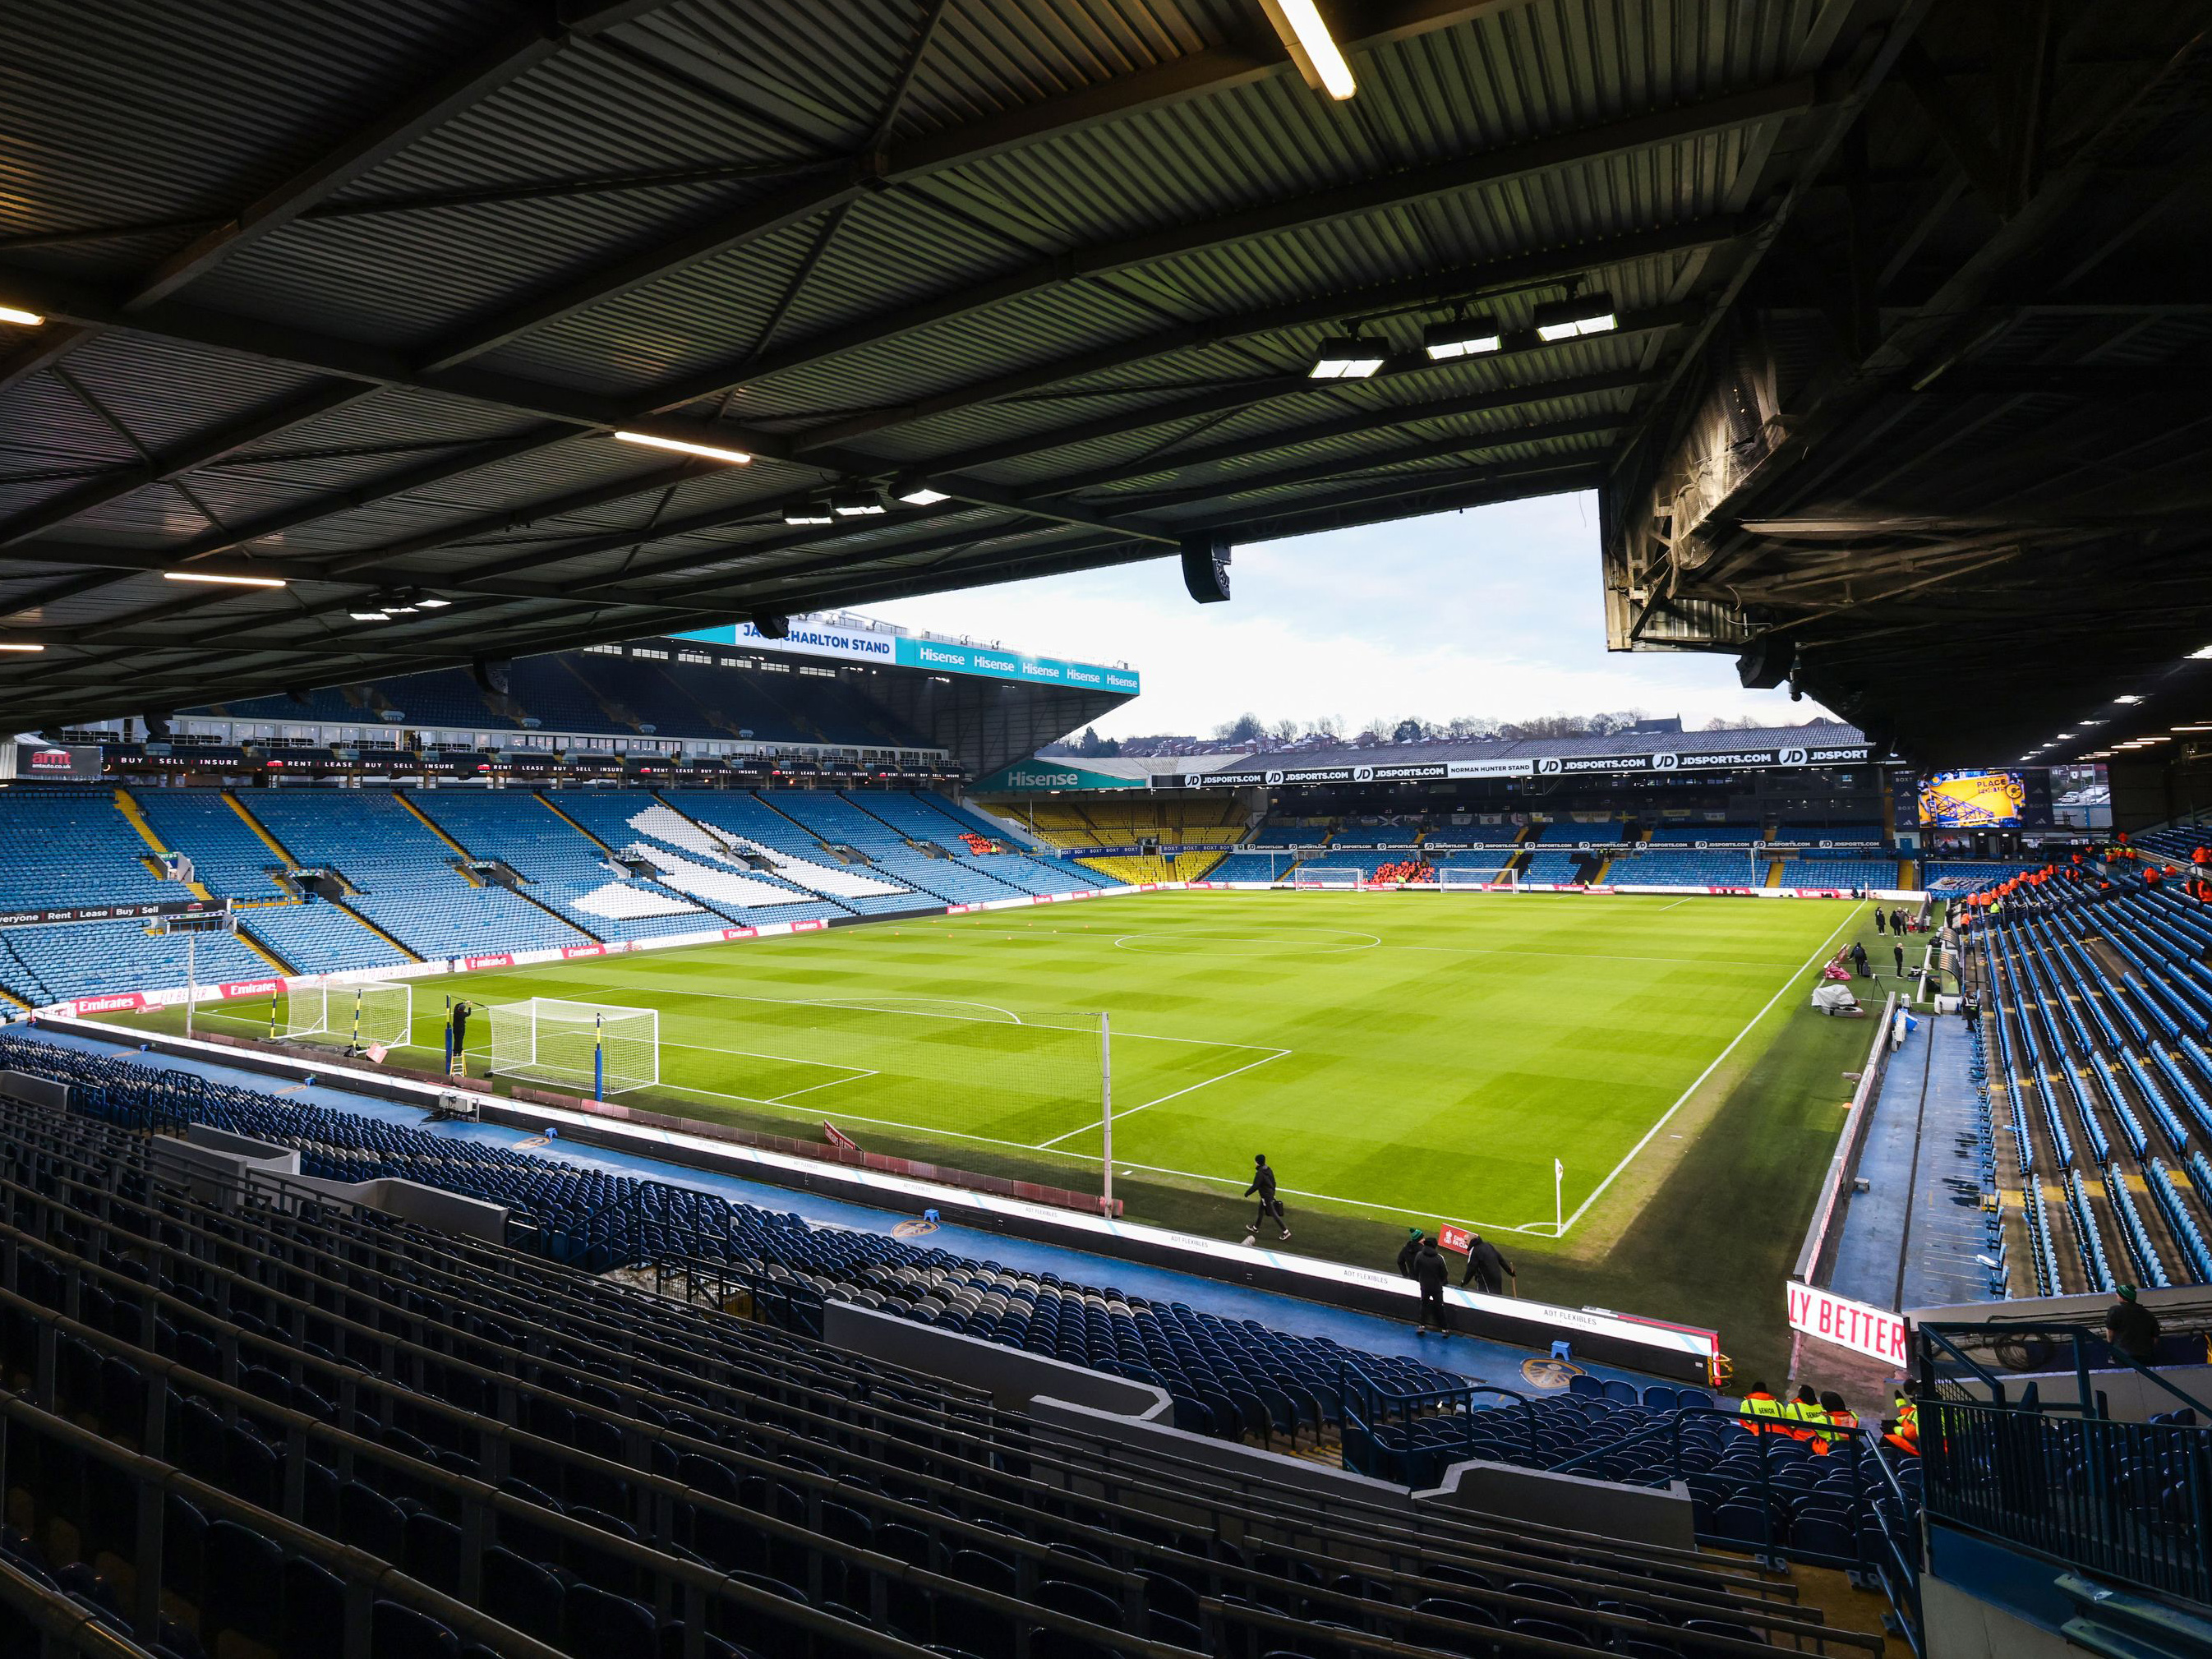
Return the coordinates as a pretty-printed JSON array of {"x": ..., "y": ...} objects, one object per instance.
[{"x": 1263, "y": 1187}]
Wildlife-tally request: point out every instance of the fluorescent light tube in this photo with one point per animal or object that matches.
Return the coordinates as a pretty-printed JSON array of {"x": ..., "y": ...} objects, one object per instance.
[
  {"x": 214, "y": 580},
  {"x": 709, "y": 450}
]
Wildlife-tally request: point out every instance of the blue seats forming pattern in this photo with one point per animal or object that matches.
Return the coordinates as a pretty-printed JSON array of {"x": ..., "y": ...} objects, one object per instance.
[
  {"x": 2096, "y": 1059},
  {"x": 405, "y": 875},
  {"x": 1214, "y": 1367},
  {"x": 1666, "y": 866},
  {"x": 661, "y": 1479},
  {"x": 1853, "y": 874}
]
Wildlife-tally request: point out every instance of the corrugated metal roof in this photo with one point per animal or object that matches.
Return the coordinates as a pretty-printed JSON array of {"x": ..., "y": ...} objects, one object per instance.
[{"x": 1005, "y": 243}]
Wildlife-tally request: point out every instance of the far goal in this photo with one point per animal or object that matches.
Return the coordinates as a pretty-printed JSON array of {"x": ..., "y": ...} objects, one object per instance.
[
  {"x": 1306, "y": 875},
  {"x": 1466, "y": 878},
  {"x": 593, "y": 1048},
  {"x": 360, "y": 1016}
]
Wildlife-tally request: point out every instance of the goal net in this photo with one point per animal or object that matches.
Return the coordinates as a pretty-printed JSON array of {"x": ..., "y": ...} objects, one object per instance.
[
  {"x": 593, "y": 1048},
  {"x": 359, "y": 1016},
  {"x": 1465, "y": 877},
  {"x": 1310, "y": 876}
]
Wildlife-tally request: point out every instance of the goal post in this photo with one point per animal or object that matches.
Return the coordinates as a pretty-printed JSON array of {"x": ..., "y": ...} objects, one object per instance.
[
  {"x": 363, "y": 1016},
  {"x": 1467, "y": 879},
  {"x": 601, "y": 1048},
  {"x": 1342, "y": 879}
]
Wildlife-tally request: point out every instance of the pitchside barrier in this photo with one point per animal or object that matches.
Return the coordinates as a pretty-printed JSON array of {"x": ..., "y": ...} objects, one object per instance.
[{"x": 169, "y": 996}]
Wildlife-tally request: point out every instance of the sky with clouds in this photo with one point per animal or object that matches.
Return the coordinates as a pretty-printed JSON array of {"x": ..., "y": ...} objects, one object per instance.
[{"x": 1494, "y": 613}]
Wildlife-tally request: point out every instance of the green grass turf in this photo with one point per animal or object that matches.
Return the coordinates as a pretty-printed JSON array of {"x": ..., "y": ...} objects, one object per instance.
[
  {"x": 1404, "y": 1059},
  {"x": 1392, "y": 1055}
]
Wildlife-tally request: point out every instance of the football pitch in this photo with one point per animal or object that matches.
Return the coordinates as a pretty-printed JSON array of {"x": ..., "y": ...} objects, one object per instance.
[{"x": 1422, "y": 1057}]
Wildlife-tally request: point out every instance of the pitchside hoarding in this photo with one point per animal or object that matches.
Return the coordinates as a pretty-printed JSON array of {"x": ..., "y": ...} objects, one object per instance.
[
  {"x": 935, "y": 656},
  {"x": 1874, "y": 1331}
]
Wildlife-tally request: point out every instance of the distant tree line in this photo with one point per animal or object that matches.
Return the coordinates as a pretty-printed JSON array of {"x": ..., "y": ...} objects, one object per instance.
[{"x": 1249, "y": 732}]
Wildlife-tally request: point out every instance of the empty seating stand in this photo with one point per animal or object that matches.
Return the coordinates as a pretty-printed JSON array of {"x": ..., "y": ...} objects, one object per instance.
[{"x": 377, "y": 1440}]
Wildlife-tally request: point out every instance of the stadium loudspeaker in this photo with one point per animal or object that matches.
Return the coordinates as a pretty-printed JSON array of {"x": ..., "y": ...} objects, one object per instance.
[
  {"x": 157, "y": 726},
  {"x": 490, "y": 673},
  {"x": 773, "y": 627},
  {"x": 1766, "y": 665},
  {"x": 1206, "y": 567}
]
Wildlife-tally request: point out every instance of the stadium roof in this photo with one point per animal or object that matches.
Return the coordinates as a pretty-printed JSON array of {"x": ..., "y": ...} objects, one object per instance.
[{"x": 357, "y": 299}]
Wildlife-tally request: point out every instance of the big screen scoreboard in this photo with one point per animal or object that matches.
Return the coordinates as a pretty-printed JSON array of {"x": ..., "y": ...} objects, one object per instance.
[{"x": 1977, "y": 799}]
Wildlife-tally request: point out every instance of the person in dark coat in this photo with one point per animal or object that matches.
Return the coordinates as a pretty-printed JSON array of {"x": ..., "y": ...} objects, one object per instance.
[
  {"x": 2131, "y": 1327},
  {"x": 1263, "y": 1187},
  {"x": 1881, "y": 921},
  {"x": 1430, "y": 1272},
  {"x": 1487, "y": 1270},
  {"x": 1407, "y": 1251},
  {"x": 1900, "y": 950},
  {"x": 1859, "y": 961}
]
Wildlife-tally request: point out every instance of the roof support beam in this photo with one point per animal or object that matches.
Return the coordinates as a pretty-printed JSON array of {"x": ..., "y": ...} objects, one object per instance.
[
  {"x": 501, "y": 60},
  {"x": 1415, "y": 184},
  {"x": 1491, "y": 276}
]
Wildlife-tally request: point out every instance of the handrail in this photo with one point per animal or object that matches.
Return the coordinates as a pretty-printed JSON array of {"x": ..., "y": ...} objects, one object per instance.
[
  {"x": 62, "y": 1621},
  {"x": 2079, "y": 1336},
  {"x": 364, "y": 1574}
]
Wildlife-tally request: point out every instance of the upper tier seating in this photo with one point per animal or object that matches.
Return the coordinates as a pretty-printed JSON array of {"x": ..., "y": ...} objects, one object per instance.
[
  {"x": 554, "y": 1459},
  {"x": 1565, "y": 833},
  {"x": 228, "y": 858},
  {"x": 405, "y": 874},
  {"x": 69, "y": 847},
  {"x": 691, "y": 859},
  {"x": 564, "y": 867}
]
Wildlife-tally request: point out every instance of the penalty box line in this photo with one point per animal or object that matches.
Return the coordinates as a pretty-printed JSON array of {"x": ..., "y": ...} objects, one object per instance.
[
  {"x": 1118, "y": 1116},
  {"x": 860, "y": 1006}
]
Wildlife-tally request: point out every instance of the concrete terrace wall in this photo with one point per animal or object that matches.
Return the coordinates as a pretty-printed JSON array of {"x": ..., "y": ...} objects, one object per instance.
[{"x": 1093, "y": 1407}]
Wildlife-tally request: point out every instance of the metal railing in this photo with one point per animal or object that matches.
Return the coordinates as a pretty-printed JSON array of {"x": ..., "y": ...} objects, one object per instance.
[
  {"x": 42, "y": 1622},
  {"x": 1380, "y": 1421},
  {"x": 1884, "y": 1541},
  {"x": 2128, "y": 1501}
]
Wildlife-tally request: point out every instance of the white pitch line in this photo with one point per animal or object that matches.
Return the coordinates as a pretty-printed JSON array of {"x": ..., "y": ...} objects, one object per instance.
[
  {"x": 857, "y": 1077},
  {"x": 786, "y": 1060},
  {"x": 1585, "y": 956},
  {"x": 817, "y": 1002},
  {"x": 926, "y": 1131},
  {"x": 1201, "y": 1083},
  {"x": 1780, "y": 991}
]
